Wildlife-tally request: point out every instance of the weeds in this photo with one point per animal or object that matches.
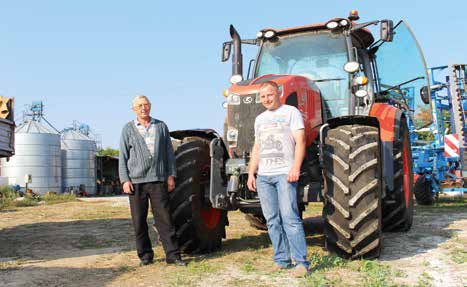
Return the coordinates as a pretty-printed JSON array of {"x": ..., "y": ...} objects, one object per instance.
[
  {"x": 459, "y": 256},
  {"x": 320, "y": 262},
  {"x": 248, "y": 266},
  {"x": 424, "y": 280},
  {"x": 377, "y": 274},
  {"x": 10, "y": 198}
]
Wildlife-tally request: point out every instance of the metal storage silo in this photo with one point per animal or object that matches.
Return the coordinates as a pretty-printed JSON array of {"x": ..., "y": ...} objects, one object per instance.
[
  {"x": 78, "y": 160},
  {"x": 37, "y": 153}
]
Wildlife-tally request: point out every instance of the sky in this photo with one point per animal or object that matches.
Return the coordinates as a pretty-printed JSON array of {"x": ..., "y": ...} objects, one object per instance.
[{"x": 86, "y": 60}]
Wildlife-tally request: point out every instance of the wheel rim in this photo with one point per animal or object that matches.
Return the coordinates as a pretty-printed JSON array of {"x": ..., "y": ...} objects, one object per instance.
[
  {"x": 406, "y": 177},
  {"x": 210, "y": 217}
]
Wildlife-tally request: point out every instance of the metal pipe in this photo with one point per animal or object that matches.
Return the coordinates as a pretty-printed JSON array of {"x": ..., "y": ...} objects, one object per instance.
[{"x": 237, "y": 58}]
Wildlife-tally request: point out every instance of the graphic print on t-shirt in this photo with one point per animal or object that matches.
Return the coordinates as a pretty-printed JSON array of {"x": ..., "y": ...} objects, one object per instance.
[{"x": 272, "y": 148}]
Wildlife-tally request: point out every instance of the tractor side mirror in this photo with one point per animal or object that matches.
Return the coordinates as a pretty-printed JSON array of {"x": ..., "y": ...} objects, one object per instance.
[
  {"x": 226, "y": 48},
  {"x": 424, "y": 95},
  {"x": 386, "y": 30}
]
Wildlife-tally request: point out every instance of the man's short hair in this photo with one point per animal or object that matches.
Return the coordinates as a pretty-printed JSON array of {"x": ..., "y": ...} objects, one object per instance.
[
  {"x": 269, "y": 83},
  {"x": 138, "y": 98}
]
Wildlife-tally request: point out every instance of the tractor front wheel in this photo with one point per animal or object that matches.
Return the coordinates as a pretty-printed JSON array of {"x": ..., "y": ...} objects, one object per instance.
[
  {"x": 200, "y": 228},
  {"x": 352, "y": 196}
]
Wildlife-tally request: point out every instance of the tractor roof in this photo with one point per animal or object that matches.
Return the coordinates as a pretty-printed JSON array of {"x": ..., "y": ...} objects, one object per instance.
[{"x": 362, "y": 36}]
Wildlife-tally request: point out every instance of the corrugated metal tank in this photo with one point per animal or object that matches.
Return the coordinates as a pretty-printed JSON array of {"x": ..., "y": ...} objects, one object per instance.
[
  {"x": 37, "y": 152},
  {"x": 79, "y": 161}
]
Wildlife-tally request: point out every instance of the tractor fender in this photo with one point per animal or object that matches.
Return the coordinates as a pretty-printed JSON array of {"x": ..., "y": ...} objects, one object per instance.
[
  {"x": 389, "y": 118},
  {"x": 207, "y": 134},
  {"x": 218, "y": 195}
]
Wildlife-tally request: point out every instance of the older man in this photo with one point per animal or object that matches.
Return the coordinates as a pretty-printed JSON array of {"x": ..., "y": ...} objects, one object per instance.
[
  {"x": 278, "y": 152},
  {"x": 147, "y": 171}
]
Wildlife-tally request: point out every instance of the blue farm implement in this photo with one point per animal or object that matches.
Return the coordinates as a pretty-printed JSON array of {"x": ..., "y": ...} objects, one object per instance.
[{"x": 439, "y": 151}]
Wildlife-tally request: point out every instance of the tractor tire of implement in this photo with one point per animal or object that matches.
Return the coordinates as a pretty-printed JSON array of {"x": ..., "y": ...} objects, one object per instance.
[
  {"x": 398, "y": 205},
  {"x": 352, "y": 196},
  {"x": 423, "y": 193},
  {"x": 199, "y": 227}
]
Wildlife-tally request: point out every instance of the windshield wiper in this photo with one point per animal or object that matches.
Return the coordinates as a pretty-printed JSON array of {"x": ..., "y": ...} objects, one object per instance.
[
  {"x": 401, "y": 84},
  {"x": 331, "y": 79}
]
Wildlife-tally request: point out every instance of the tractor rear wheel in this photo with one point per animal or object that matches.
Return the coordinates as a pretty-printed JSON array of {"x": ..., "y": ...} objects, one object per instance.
[
  {"x": 398, "y": 204},
  {"x": 200, "y": 228},
  {"x": 423, "y": 193},
  {"x": 352, "y": 196}
]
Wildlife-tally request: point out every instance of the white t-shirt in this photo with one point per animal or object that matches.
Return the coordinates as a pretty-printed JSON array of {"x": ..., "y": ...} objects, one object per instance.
[{"x": 273, "y": 134}]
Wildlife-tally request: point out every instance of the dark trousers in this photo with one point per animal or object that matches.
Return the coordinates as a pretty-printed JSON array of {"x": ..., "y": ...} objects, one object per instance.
[{"x": 158, "y": 194}]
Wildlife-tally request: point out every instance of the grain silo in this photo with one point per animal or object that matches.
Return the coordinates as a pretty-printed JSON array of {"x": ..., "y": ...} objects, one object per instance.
[
  {"x": 78, "y": 159},
  {"x": 37, "y": 155}
]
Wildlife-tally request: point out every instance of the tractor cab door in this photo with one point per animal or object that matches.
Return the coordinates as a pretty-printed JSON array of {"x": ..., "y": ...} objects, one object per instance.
[{"x": 402, "y": 75}]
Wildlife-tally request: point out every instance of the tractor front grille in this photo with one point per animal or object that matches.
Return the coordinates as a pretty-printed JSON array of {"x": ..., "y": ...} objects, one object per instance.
[{"x": 241, "y": 115}]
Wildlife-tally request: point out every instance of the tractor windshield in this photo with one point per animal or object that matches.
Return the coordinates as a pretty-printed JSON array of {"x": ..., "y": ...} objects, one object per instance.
[{"x": 318, "y": 56}]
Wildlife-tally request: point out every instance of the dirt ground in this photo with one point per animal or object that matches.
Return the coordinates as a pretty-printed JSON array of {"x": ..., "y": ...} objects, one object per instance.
[{"x": 91, "y": 243}]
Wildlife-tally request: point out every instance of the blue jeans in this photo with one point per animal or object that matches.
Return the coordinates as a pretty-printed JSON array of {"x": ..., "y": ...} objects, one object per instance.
[{"x": 279, "y": 204}]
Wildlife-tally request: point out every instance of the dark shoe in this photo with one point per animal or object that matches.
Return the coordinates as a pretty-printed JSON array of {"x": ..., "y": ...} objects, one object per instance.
[
  {"x": 178, "y": 262},
  {"x": 145, "y": 262}
]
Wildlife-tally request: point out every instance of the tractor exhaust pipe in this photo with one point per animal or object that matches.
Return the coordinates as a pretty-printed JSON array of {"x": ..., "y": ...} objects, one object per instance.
[{"x": 237, "y": 57}]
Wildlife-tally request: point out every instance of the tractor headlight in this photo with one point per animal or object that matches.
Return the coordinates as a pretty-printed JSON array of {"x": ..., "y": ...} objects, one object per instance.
[
  {"x": 344, "y": 22},
  {"x": 361, "y": 93},
  {"x": 233, "y": 99},
  {"x": 236, "y": 79},
  {"x": 351, "y": 67},
  {"x": 232, "y": 136},
  {"x": 332, "y": 25},
  {"x": 269, "y": 34}
]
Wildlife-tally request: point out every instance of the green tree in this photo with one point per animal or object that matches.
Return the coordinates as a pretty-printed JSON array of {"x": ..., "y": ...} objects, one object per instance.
[{"x": 108, "y": 151}]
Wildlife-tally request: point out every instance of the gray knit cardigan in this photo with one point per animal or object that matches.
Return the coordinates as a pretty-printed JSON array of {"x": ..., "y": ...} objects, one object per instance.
[{"x": 135, "y": 161}]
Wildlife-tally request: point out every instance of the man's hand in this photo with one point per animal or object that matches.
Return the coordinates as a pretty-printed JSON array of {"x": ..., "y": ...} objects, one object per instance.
[
  {"x": 170, "y": 183},
  {"x": 251, "y": 182},
  {"x": 128, "y": 187},
  {"x": 294, "y": 174}
]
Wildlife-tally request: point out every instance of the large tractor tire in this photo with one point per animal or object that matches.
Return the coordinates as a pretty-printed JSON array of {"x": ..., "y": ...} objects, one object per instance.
[
  {"x": 398, "y": 204},
  {"x": 352, "y": 196},
  {"x": 200, "y": 228},
  {"x": 423, "y": 193}
]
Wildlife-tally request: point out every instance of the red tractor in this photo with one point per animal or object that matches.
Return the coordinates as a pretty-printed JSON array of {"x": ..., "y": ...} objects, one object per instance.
[{"x": 354, "y": 94}]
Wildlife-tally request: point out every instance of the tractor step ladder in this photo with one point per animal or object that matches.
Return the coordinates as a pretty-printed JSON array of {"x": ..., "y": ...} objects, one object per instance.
[{"x": 457, "y": 86}]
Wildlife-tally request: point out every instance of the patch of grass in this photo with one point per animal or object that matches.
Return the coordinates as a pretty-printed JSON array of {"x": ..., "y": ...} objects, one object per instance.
[
  {"x": 445, "y": 204},
  {"x": 242, "y": 282},
  {"x": 248, "y": 267},
  {"x": 10, "y": 198},
  {"x": 194, "y": 273},
  {"x": 26, "y": 202},
  {"x": 324, "y": 262},
  {"x": 51, "y": 198},
  {"x": 424, "y": 280},
  {"x": 458, "y": 255},
  {"x": 103, "y": 212},
  {"x": 376, "y": 274},
  {"x": 200, "y": 268},
  {"x": 7, "y": 197},
  {"x": 317, "y": 280}
]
